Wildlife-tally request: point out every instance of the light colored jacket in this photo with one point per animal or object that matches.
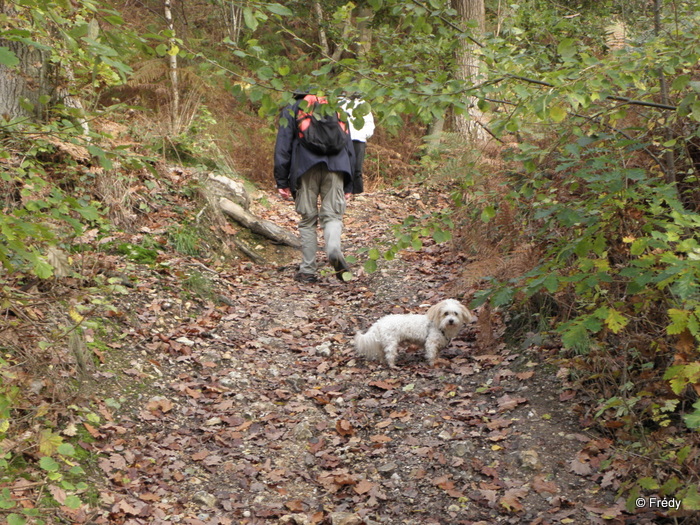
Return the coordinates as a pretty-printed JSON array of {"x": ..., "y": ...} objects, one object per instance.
[{"x": 358, "y": 132}]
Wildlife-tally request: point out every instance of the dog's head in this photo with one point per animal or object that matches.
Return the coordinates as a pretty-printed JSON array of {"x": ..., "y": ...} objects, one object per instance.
[{"x": 450, "y": 316}]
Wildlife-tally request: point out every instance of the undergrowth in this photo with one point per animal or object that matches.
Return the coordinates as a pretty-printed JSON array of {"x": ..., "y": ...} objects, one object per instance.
[{"x": 605, "y": 259}]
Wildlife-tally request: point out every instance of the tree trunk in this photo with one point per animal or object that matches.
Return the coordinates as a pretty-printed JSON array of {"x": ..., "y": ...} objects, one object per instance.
[
  {"x": 172, "y": 62},
  {"x": 468, "y": 64},
  {"x": 323, "y": 39},
  {"x": 236, "y": 19},
  {"x": 28, "y": 82},
  {"x": 669, "y": 156},
  {"x": 257, "y": 225},
  {"x": 434, "y": 137},
  {"x": 364, "y": 43}
]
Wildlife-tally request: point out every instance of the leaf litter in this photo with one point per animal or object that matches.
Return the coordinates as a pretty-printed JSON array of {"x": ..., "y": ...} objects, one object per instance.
[{"x": 255, "y": 411}]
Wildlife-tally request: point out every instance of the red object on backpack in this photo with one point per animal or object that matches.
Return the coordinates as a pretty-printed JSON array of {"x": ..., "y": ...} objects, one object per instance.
[{"x": 320, "y": 130}]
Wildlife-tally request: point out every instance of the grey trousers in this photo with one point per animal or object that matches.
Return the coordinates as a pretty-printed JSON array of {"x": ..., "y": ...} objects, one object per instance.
[{"x": 318, "y": 181}]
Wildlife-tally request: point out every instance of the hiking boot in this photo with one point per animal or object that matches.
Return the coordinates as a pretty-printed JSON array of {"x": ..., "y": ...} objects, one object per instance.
[
  {"x": 340, "y": 266},
  {"x": 305, "y": 277}
]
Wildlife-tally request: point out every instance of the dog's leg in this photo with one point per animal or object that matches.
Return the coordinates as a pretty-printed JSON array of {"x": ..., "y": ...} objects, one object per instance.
[
  {"x": 432, "y": 346},
  {"x": 390, "y": 353}
]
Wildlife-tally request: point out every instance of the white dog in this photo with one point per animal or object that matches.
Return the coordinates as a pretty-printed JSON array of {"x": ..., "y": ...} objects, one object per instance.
[{"x": 433, "y": 330}]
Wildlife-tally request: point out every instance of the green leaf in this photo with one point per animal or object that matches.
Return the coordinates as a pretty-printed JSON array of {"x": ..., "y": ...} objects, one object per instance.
[
  {"x": 648, "y": 483},
  {"x": 48, "y": 464},
  {"x": 279, "y": 9},
  {"x": 73, "y": 502},
  {"x": 679, "y": 321},
  {"x": 66, "y": 449},
  {"x": 441, "y": 236},
  {"x": 557, "y": 113},
  {"x": 691, "y": 500},
  {"x": 16, "y": 519},
  {"x": 370, "y": 266},
  {"x": 7, "y": 57},
  {"x": 680, "y": 83},
  {"x": 6, "y": 501},
  {"x": 693, "y": 419},
  {"x": 249, "y": 18},
  {"x": 42, "y": 269},
  {"x": 551, "y": 283},
  {"x": 488, "y": 213},
  {"x": 567, "y": 48},
  {"x": 615, "y": 321},
  {"x": 503, "y": 296}
]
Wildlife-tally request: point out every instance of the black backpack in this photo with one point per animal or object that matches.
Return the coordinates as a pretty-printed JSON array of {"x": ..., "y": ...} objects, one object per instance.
[{"x": 320, "y": 131}]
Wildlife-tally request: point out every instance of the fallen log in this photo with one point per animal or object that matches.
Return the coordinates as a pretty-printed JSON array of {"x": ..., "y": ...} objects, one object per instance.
[{"x": 257, "y": 225}]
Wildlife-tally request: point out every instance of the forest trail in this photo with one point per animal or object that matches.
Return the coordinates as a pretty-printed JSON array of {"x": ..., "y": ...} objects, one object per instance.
[{"x": 254, "y": 410}]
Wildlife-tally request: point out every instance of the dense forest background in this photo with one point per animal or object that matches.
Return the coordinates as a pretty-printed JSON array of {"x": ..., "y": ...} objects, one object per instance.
[{"x": 566, "y": 133}]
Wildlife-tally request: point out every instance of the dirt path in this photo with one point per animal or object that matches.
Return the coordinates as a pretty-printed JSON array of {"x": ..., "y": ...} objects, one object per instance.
[{"x": 257, "y": 412}]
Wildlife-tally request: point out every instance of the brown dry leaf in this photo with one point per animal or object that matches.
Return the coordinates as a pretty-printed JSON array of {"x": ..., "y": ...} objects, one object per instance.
[
  {"x": 524, "y": 375},
  {"x": 384, "y": 385},
  {"x": 363, "y": 487},
  {"x": 491, "y": 496},
  {"x": 295, "y": 505},
  {"x": 498, "y": 424},
  {"x": 380, "y": 438},
  {"x": 444, "y": 482},
  {"x": 92, "y": 431},
  {"x": 160, "y": 403},
  {"x": 540, "y": 484},
  {"x": 58, "y": 494},
  {"x": 344, "y": 427},
  {"x": 199, "y": 456},
  {"x": 149, "y": 496},
  {"x": 511, "y": 499},
  {"x": 567, "y": 395},
  {"x": 507, "y": 402},
  {"x": 125, "y": 507},
  {"x": 333, "y": 481},
  {"x": 498, "y": 436},
  {"x": 581, "y": 468}
]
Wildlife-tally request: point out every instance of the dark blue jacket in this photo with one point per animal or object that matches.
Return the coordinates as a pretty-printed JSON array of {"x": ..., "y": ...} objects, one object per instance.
[{"x": 292, "y": 159}]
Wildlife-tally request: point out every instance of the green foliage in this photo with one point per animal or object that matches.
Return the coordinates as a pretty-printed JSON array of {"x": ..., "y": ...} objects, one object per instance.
[
  {"x": 39, "y": 213},
  {"x": 57, "y": 468},
  {"x": 186, "y": 239},
  {"x": 42, "y": 207},
  {"x": 139, "y": 254},
  {"x": 199, "y": 285},
  {"x": 617, "y": 239}
]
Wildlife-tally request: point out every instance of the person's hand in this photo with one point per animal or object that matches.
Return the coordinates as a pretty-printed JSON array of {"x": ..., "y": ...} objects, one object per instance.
[
  {"x": 348, "y": 196},
  {"x": 285, "y": 193}
]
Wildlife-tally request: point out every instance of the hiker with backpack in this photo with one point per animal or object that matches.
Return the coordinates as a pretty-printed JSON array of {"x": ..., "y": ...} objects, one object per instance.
[{"x": 314, "y": 157}]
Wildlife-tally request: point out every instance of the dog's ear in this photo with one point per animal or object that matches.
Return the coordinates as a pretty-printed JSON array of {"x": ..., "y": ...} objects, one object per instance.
[
  {"x": 467, "y": 315},
  {"x": 433, "y": 313}
]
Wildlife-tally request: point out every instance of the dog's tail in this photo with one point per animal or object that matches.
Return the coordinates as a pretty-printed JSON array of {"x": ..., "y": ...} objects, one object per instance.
[{"x": 367, "y": 346}]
